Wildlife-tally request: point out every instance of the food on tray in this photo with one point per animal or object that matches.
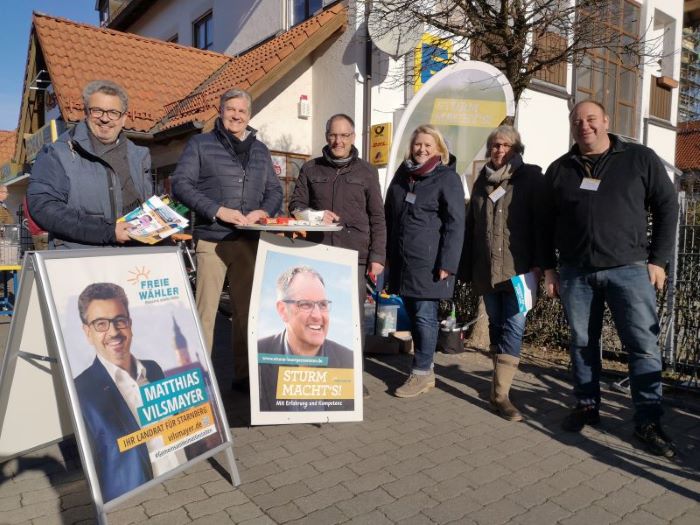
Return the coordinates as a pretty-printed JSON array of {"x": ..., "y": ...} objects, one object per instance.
[
  {"x": 314, "y": 217},
  {"x": 283, "y": 221}
]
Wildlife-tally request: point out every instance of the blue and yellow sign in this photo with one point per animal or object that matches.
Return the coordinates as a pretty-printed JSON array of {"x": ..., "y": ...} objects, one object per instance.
[
  {"x": 432, "y": 54},
  {"x": 46, "y": 134}
]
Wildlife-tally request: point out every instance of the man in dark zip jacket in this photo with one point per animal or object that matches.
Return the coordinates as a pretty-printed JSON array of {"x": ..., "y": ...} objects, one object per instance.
[
  {"x": 226, "y": 177},
  {"x": 347, "y": 189},
  {"x": 92, "y": 175},
  {"x": 599, "y": 195}
]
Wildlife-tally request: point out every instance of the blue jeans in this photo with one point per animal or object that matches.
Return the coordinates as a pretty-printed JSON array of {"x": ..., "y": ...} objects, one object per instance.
[
  {"x": 506, "y": 323},
  {"x": 423, "y": 314},
  {"x": 632, "y": 302}
]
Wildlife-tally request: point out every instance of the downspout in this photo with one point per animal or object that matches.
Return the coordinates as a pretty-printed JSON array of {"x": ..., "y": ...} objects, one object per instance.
[{"x": 367, "y": 95}]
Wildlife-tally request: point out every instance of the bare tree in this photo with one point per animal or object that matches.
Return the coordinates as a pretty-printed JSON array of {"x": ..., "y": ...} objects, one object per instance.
[{"x": 522, "y": 37}]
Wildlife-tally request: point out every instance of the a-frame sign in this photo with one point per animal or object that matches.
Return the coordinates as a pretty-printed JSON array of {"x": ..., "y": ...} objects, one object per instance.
[{"x": 106, "y": 344}]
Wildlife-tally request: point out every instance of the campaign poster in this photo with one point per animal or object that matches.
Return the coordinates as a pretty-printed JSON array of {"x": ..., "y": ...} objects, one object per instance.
[
  {"x": 305, "y": 349},
  {"x": 465, "y": 101},
  {"x": 140, "y": 374}
]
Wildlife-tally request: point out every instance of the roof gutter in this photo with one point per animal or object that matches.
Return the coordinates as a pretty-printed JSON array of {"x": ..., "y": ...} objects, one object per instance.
[{"x": 176, "y": 131}]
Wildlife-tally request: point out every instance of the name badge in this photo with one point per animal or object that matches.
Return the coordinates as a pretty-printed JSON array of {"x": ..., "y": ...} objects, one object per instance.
[
  {"x": 497, "y": 194},
  {"x": 411, "y": 198},
  {"x": 590, "y": 184}
]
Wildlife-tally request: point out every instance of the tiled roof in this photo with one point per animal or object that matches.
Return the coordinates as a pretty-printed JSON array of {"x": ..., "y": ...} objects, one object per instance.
[
  {"x": 8, "y": 139},
  {"x": 688, "y": 146},
  {"x": 168, "y": 84}
]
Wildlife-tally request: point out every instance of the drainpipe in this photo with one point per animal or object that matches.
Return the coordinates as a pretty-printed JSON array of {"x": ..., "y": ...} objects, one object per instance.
[{"x": 367, "y": 95}]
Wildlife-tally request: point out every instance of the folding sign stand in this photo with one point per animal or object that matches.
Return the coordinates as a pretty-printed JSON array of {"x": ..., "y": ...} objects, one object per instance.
[{"x": 52, "y": 354}]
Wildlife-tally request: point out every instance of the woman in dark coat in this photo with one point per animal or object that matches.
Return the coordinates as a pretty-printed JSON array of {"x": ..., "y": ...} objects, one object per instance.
[
  {"x": 425, "y": 228},
  {"x": 500, "y": 243}
]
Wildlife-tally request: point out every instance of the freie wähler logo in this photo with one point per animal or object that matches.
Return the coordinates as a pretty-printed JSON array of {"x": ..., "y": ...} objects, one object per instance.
[{"x": 157, "y": 290}]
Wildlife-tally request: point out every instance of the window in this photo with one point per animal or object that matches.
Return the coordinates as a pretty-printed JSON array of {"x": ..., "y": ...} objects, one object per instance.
[
  {"x": 549, "y": 44},
  {"x": 103, "y": 8},
  {"x": 204, "y": 32},
  {"x": 611, "y": 77},
  {"x": 302, "y": 9}
]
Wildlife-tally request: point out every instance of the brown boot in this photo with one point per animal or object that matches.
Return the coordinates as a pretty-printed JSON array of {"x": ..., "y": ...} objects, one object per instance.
[{"x": 504, "y": 370}]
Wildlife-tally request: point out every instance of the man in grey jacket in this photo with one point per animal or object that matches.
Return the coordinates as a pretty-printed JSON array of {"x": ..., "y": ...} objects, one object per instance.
[{"x": 92, "y": 175}]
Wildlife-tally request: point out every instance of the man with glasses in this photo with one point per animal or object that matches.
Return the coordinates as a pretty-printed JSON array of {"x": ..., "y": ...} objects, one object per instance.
[
  {"x": 109, "y": 393},
  {"x": 347, "y": 189},
  {"x": 304, "y": 309},
  {"x": 92, "y": 175}
]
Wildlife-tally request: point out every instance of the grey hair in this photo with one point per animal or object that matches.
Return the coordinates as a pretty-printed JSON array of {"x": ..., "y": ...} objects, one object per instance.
[
  {"x": 508, "y": 132},
  {"x": 284, "y": 281},
  {"x": 236, "y": 93},
  {"x": 337, "y": 116},
  {"x": 108, "y": 88}
]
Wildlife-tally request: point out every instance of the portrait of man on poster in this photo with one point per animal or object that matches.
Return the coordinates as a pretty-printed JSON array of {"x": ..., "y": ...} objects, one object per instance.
[
  {"x": 304, "y": 308},
  {"x": 109, "y": 393}
]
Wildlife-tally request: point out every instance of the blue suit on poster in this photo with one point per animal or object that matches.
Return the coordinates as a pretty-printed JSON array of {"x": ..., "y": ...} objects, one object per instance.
[{"x": 107, "y": 418}]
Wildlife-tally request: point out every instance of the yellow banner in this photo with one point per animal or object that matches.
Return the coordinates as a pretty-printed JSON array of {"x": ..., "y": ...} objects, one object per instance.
[
  {"x": 380, "y": 144},
  {"x": 171, "y": 429},
  {"x": 467, "y": 112},
  {"x": 46, "y": 134},
  {"x": 296, "y": 382}
]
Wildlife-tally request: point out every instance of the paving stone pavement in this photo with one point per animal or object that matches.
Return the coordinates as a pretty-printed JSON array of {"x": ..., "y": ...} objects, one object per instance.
[{"x": 442, "y": 457}]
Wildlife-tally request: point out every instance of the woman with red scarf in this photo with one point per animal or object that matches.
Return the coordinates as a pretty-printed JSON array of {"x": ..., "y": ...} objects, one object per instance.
[{"x": 425, "y": 228}]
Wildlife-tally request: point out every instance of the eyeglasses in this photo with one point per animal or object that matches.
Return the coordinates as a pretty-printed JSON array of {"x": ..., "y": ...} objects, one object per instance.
[
  {"x": 308, "y": 306},
  {"x": 112, "y": 114},
  {"x": 497, "y": 145},
  {"x": 339, "y": 136},
  {"x": 102, "y": 325}
]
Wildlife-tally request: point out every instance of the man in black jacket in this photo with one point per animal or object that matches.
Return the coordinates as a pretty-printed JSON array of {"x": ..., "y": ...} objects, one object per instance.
[
  {"x": 226, "y": 177},
  {"x": 347, "y": 189},
  {"x": 599, "y": 194}
]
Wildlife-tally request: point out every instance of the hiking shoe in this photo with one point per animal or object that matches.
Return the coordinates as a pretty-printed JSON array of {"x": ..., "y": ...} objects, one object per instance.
[
  {"x": 415, "y": 385},
  {"x": 580, "y": 416},
  {"x": 655, "y": 439}
]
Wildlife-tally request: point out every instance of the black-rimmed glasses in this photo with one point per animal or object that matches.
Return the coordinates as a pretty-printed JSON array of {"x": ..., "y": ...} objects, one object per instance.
[
  {"x": 102, "y": 324},
  {"x": 112, "y": 114}
]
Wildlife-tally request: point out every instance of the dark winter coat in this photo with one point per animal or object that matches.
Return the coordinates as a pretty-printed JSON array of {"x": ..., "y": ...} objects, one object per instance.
[
  {"x": 501, "y": 238},
  {"x": 608, "y": 227},
  {"x": 353, "y": 193},
  {"x": 76, "y": 196},
  {"x": 209, "y": 175},
  {"x": 426, "y": 236}
]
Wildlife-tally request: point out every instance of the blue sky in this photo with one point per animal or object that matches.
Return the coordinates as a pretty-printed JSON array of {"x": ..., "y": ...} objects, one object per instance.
[{"x": 15, "y": 24}]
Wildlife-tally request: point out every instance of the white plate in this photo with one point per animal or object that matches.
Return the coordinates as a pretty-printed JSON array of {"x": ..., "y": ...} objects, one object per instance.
[{"x": 292, "y": 228}]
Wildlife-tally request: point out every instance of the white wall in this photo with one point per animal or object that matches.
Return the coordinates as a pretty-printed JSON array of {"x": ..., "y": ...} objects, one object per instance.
[
  {"x": 663, "y": 142},
  {"x": 169, "y": 17},
  {"x": 238, "y": 24},
  {"x": 244, "y": 23},
  {"x": 543, "y": 123},
  {"x": 276, "y": 115}
]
